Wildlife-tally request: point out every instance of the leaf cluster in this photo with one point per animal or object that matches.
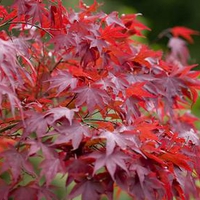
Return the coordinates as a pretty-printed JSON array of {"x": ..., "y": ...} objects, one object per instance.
[{"x": 78, "y": 93}]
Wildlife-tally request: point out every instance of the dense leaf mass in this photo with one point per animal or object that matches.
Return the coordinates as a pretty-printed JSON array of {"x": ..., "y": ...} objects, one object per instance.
[{"x": 79, "y": 96}]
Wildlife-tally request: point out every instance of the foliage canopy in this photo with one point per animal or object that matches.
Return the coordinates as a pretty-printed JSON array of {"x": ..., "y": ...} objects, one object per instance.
[{"x": 80, "y": 94}]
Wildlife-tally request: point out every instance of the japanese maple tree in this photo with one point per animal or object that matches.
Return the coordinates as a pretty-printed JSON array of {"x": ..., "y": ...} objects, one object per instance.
[{"x": 82, "y": 97}]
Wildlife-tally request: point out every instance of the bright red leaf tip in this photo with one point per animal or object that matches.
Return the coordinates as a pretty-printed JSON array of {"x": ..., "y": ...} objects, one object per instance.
[
  {"x": 184, "y": 32},
  {"x": 89, "y": 9},
  {"x": 6, "y": 142}
]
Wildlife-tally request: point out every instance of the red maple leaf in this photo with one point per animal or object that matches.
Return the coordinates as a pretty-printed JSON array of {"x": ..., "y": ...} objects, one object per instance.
[
  {"x": 14, "y": 101},
  {"x": 145, "y": 56},
  {"x": 45, "y": 192},
  {"x": 133, "y": 25},
  {"x": 112, "y": 33},
  {"x": 141, "y": 171},
  {"x": 184, "y": 32},
  {"x": 137, "y": 90},
  {"x": 3, "y": 12},
  {"x": 89, "y": 9},
  {"x": 36, "y": 10},
  {"x": 6, "y": 142},
  {"x": 36, "y": 146}
]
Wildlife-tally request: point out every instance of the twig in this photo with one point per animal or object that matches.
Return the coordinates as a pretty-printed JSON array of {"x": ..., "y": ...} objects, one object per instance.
[
  {"x": 100, "y": 120},
  {"x": 165, "y": 33},
  {"x": 8, "y": 22},
  {"x": 74, "y": 97},
  {"x": 7, "y": 128},
  {"x": 87, "y": 115},
  {"x": 54, "y": 67},
  {"x": 34, "y": 25}
]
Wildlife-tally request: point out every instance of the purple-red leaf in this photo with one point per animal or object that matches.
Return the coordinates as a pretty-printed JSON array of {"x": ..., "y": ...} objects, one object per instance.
[
  {"x": 15, "y": 162},
  {"x": 35, "y": 122},
  {"x": 87, "y": 188},
  {"x": 21, "y": 193},
  {"x": 111, "y": 161},
  {"x": 61, "y": 112},
  {"x": 4, "y": 190},
  {"x": 50, "y": 167},
  {"x": 92, "y": 96},
  {"x": 179, "y": 50},
  {"x": 114, "y": 19},
  {"x": 74, "y": 133},
  {"x": 112, "y": 139},
  {"x": 62, "y": 81}
]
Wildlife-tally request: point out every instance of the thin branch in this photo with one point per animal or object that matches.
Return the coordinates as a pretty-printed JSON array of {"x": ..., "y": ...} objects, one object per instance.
[
  {"x": 100, "y": 120},
  {"x": 54, "y": 67},
  {"x": 7, "y": 128},
  {"x": 8, "y": 22},
  {"x": 74, "y": 97},
  {"x": 91, "y": 126},
  {"x": 34, "y": 25},
  {"x": 164, "y": 33},
  {"x": 87, "y": 115}
]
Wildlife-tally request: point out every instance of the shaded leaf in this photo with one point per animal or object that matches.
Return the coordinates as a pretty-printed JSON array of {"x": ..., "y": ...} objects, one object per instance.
[
  {"x": 110, "y": 161},
  {"x": 50, "y": 167},
  {"x": 179, "y": 50},
  {"x": 4, "y": 190},
  {"x": 23, "y": 192},
  {"x": 92, "y": 96},
  {"x": 15, "y": 162},
  {"x": 62, "y": 81},
  {"x": 87, "y": 188},
  {"x": 74, "y": 133},
  {"x": 112, "y": 139},
  {"x": 60, "y": 112}
]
